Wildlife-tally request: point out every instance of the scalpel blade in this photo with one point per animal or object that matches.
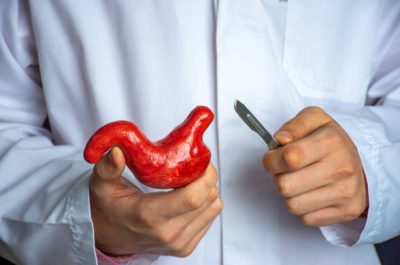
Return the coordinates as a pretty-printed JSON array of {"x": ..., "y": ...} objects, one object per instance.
[{"x": 255, "y": 125}]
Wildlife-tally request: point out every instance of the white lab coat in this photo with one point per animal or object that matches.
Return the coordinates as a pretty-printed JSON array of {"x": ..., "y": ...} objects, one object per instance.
[{"x": 151, "y": 62}]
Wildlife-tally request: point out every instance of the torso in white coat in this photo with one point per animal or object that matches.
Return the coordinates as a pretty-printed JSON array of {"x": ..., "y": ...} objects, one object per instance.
[{"x": 151, "y": 62}]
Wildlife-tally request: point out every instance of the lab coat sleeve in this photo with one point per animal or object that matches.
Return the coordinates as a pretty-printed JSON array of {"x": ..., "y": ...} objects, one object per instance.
[
  {"x": 44, "y": 213},
  {"x": 375, "y": 129}
]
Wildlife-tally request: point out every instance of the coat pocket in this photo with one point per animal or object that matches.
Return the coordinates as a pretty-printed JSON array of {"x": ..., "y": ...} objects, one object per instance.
[{"x": 329, "y": 48}]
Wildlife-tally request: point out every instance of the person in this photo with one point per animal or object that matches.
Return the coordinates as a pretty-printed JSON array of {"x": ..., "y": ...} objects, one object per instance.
[{"x": 324, "y": 75}]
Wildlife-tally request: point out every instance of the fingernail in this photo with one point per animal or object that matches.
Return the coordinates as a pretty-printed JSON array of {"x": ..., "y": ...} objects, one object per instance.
[{"x": 284, "y": 137}]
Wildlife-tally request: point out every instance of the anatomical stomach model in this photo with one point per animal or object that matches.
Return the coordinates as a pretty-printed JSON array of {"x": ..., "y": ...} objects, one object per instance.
[{"x": 172, "y": 162}]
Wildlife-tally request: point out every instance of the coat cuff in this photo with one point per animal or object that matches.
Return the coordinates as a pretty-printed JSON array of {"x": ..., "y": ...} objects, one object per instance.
[
  {"x": 361, "y": 230},
  {"x": 78, "y": 217}
]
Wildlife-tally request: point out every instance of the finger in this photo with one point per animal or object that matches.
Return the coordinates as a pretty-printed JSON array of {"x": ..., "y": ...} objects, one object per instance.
[
  {"x": 306, "y": 121},
  {"x": 110, "y": 166},
  {"x": 304, "y": 180},
  {"x": 326, "y": 216},
  {"x": 173, "y": 236},
  {"x": 314, "y": 200},
  {"x": 189, "y": 198},
  {"x": 190, "y": 216},
  {"x": 182, "y": 252},
  {"x": 195, "y": 241},
  {"x": 205, "y": 219},
  {"x": 303, "y": 152},
  {"x": 289, "y": 158},
  {"x": 184, "y": 220}
]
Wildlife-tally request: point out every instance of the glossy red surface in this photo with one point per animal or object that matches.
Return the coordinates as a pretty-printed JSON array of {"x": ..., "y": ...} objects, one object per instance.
[{"x": 172, "y": 162}]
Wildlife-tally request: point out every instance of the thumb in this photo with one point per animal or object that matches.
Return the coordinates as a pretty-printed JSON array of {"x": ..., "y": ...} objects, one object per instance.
[
  {"x": 304, "y": 123},
  {"x": 111, "y": 165}
]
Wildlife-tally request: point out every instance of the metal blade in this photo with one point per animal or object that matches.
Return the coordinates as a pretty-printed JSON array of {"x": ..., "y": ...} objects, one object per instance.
[{"x": 255, "y": 125}]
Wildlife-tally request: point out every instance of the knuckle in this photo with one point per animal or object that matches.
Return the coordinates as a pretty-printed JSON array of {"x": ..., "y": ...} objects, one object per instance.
[
  {"x": 284, "y": 187},
  {"x": 217, "y": 206},
  {"x": 293, "y": 206},
  {"x": 354, "y": 211},
  {"x": 319, "y": 112},
  {"x": 213, "y": 170},
  {"x": 315, "y": 110},
  {"x": 346, "y": 169},
  {"x": 177, "y": 248},
  {"x": 349, "y": 191},
  {"x": 212, "y": 177},
  {"x": 294, "y": 128},
  {"x": 309, "y": 221},
  {"x": 214, "y": 193},
  {"x": 167, "y": 237},
  {"x": 145, "y": 214},
  {"x": 292, "y": 157},
  {"x": 207, "y": 181},
  {"x": 267, "y": 161},
  {"x": 185, "y": 252},
  {"x": 194, "y": 201},
  {"x": 147, "y": 219},
  {"x": 333, "y": 136}
]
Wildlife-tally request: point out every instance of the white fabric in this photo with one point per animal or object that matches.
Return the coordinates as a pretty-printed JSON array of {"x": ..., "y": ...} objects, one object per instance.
[{"x": 151, "y": 62}]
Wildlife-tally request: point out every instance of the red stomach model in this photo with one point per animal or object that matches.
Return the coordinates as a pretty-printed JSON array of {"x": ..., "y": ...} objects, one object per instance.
[{"x": 172, "y": 162}]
